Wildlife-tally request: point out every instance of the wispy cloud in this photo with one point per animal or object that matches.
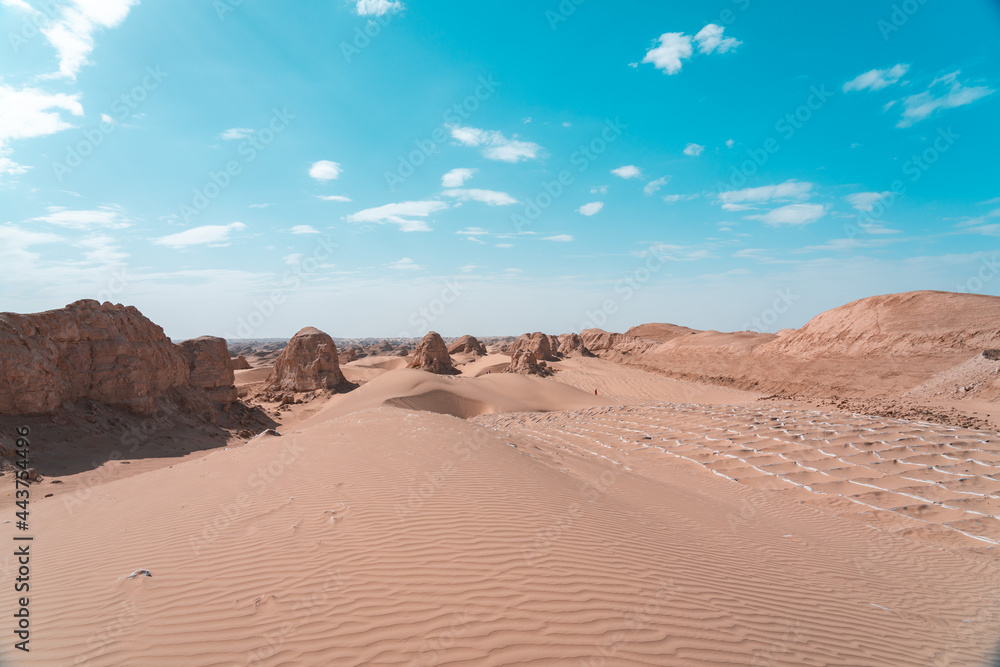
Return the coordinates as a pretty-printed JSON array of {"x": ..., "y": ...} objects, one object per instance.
[
  {"x": 559, "y": 238},
  {"x": 341, "y": 198},
  {"x": 401, "y": 214},
  {"x": 494, "y": 145},
  {"x": 654, "y": 186},
  {"x": 945, "y": 92},
  {"x": 404, "y": 264},
  {"x": 456, "y": 178},
  {"x": 211, "y": 235},
  {"x": 491, "y": 197},
  {"x": 673, "y": 199},
  {"x": 792, "y": 214},
  {"x": 739, "y": 200},
  {"x": 876, "y": 79},
  {"x": 106, "y": 217},
  {"x": 865, "y": 201},
  {"x": 694, "y": 150},
  {"x": 591, "y": 208},
  {"x": 304, "y": 229},
  {"x": 72, "y": 34},
  {"x": 236, "y": 133}
]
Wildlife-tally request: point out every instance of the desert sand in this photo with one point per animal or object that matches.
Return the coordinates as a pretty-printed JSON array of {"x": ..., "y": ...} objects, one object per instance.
[{"x": 682, "y": 498}]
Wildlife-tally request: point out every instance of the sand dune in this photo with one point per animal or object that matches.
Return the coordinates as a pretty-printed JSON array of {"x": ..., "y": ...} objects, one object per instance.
[
  {"x": 458, "y": 396},
  {"x": 398, "y": 537}
]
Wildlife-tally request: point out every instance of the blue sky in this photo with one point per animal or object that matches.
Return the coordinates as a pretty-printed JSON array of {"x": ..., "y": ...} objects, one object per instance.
[{"x": 384, "y": 168}]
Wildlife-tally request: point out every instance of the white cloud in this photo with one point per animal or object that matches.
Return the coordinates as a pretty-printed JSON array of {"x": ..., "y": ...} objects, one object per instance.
[
  {"x": 673, "y": 49},
  {"x": 737, "y": 200},
  {"x": 504, "y": 245},
  {"x": 214, "y": 235},
  {"x": 106, "y": 217},
  {"x": 673, "y": 199},
  {"x": 469, "y": 268},
  {"x": 377, "y": 7},
  {"x": 654, "y": 186},
  {"x": 304, "y": 229},
  {"x": 729, "y": 143},
  {"x": 30, "y": 112},
  {"x": 675, "y": 253},
  {"x": 400, "y": 214},
  {"x": 559, "y": 238},
  {"x": 404, "y": 264},
  {"x": 325, "y": 170},
  {"x": 72, "y": 34},
  {"x": 865, "y": 201},
  {"x": 920, "y": 106},
  {"x": 473, "y": 231},
  {"x": 591, "y": 208},
  {"x": 341, "y": 198},
  {"x": 456, "y": 178},
  {"x": 599, "y": 190},
  {"x": 235, "y": 133},
  {"x": 693, "y": 150},
  {"x": 491, "y": 197},
  {"x": 627, "y": 172},
  {"x": 792, "y": 214},
  {"x": 710, "y": 39},
  {"x": 876, "y": 79},
  {"x": 495, "y": 146}
]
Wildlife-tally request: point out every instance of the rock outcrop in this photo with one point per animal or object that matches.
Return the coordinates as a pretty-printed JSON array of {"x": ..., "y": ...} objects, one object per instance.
[
  {"x": 308, "y": 363},
  {"x": 524, "y": 362},
  {"x": 240, "y": 363},
  {"x": 572, "y": 345},
  {"x": 467, "y": 345},
  {"x": 107, "y": 353},
  {"x": 432, "y": 355},
  {"x": 541, "y": 345},
  {"x": 210, "y": 367}
]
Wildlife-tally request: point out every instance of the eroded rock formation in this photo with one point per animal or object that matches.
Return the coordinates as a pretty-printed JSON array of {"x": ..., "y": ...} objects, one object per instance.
[
  {"x": 308, "y": 363},
  {"x": 432, "y": 355}
]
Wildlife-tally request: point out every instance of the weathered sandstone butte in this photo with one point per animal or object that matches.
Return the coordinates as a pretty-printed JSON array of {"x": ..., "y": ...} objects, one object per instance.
[{"x": 107, "y": 353}]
